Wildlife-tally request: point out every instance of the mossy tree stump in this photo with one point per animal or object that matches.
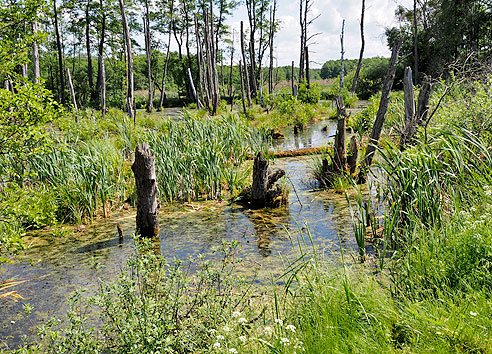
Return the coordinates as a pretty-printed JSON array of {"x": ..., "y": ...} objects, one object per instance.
[{"x": 147, "y": 192}]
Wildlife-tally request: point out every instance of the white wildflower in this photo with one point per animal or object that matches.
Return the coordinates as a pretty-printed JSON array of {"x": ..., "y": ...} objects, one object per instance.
[
  {"x": 473, "y": 313},
  {"x": 236, "y": 314},
  {"x": 268, "y": 330},
  {"x": 242, "y": 339},
  {"x": 220, "y": 337},
  {"x": 233, "y": 350},
  {"x": 213, "y": 331},
  {"x": 291, "y": 328},
  {"x": 242, "y": 320},
  {"x": 226, "y": 328},
  {"x": 279, "y": 321},
  {"x": 216, "y": 345},
  {"x": 284, "y": 341}
]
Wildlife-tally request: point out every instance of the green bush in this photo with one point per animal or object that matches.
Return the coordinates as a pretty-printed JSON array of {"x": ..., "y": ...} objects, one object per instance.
[{"x": 309, "y": 95}]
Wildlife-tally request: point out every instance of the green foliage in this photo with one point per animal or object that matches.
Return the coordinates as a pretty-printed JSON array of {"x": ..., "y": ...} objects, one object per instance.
[
  {"x": 311, "y": 95},
  {"x": 30, "y": 207}
]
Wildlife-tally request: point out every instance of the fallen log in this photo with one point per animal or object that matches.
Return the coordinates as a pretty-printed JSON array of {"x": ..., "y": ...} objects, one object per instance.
[{"x": 295, "y": 152}]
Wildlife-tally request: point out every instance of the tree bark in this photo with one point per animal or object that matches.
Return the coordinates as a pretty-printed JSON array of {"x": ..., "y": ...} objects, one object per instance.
[
  {"x": 88, "y": 48},
  {"x": 339, "y": 150},
  {"x": 193, "y": 90},
  {"x": 342, "y": 73},
  {"x": 147, "y": 192},
  {"x": 130, "y": 83},
  {"x": 381, "y": 114},
  {"x": 242, "y": 86},
  {"x": 245, "y": 67},
  {"x": 292, "y": 82},
  {"x": 100, "y": 49},
  {"x": 35, "y": 55},
  {"x": 166, "y": 63},
  {"x": 352, "y": 157},
  {"x": 72, "y": 92},
  {"x": 308, "y": 78},
  {"x": 103, "y": 85},
  {"x": 264, "y": 192},
  {"x": 272, "y": 35},
  {"x": 410, "y": 127},
  {"x": 60, "y": 56},
  {"x": 148, "y": 49},
  {"x": 415, "y": 43},
  {"x": 362, "y": 46}
]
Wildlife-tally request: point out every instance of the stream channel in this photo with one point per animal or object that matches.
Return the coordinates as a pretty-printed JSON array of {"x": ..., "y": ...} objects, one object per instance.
[{"x": 85, "y": 257}]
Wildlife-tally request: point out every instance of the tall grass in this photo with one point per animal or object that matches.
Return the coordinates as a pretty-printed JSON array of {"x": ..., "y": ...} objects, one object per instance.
[{"x": 198, "y": 158}]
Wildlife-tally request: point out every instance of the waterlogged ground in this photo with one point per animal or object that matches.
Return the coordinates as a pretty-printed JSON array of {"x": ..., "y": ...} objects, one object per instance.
[{"x": 96, "y": 253}]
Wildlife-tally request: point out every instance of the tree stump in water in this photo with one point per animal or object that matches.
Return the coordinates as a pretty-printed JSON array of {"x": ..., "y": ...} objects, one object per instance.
[
  {"x": 264, "y": 192},
  {"x": 352, "y": 157},
  {"x": 147, "y": 192}
]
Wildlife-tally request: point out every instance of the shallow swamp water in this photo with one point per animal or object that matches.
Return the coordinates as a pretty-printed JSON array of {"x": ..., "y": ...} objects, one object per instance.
[{"x": 95, "y": 253}]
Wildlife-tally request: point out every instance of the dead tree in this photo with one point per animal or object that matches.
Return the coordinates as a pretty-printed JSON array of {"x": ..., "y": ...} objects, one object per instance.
[
  {"x": 352, "y": 155},
  {"x": 292, "y": 82},
  {"x": 245, "y": 67},
  {"x": 363, "y": 43},
  {"x": 342, "y": 70},
  {"x": 193, "y": 90},
  {"x": 264, "y": 191},
  {"x": 147, "y": 192},
  {"x": 414, "y": 117},
  {"x": 271, "y": 37},
  {"x": 60, "y": 55},
  {"x": 211, "y": 57},
  {"x": 35, "y": 54},
  {"x": 242, "y": 86},
  {"x": 415, "y": 43},
  {"x": 129, "y": 56},
  {"x": 166, "y": 63},
  {"x": 381, "y": 114},
  {"x": 103, "y": 85},
  {"x": 308, "y": 77},
  {"x": 148, "y": 52},
  {"x": 339, "y": 148},
  {"x": 72, "y": 92}
]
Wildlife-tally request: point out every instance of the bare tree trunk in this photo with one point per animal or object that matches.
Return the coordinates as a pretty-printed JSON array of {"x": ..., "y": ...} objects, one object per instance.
[
  {"x": 166, "y": 63},
  {"x": 103, "y": 85},
  {"x": 130, "y": 84},
  {"x": 272, "y": 35},
  {"x": 261, "y": 89},
  {"x": 35, "y": 54},
  {"x": 308, "y": 78},
  {"x": 423, "y": 101},
  {"x": 303, "y": 40},
  {"x": 193, "y": 90},
  {"x": 88, "y": 48},
  {"x": 60, "y": 56},
  {"x": 339, "y": 149},
  {"x": 342, "y": 70},
  {"x": 410, "y": 127},
  {"x": 352, "y": 157},
  {"x": 292, "y": 82},
  {"x": 147, "y": 192},
  {"x": 242, "y": 86},
  {"x": 72, "y": 92},
  {"x": 381, "y": 114},
  {"x": 148, "y": 49},
  {"x": 100, "y": 49},
  {"x": 415, "y": 43},
  {"x": 230, "y": 69},
  {"x": 362, "y": 46},
  {"x": 245, "y": 67}
]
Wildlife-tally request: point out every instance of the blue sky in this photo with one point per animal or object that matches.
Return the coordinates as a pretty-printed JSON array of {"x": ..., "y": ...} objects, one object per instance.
[{"x": 379, "y": 15}]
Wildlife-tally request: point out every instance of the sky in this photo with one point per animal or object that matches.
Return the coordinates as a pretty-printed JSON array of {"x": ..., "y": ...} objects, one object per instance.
[{"x": 379, "y": 15}]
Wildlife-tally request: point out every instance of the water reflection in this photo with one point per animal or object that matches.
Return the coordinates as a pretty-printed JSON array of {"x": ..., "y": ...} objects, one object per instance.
[{"x": 98, "y": 253}]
